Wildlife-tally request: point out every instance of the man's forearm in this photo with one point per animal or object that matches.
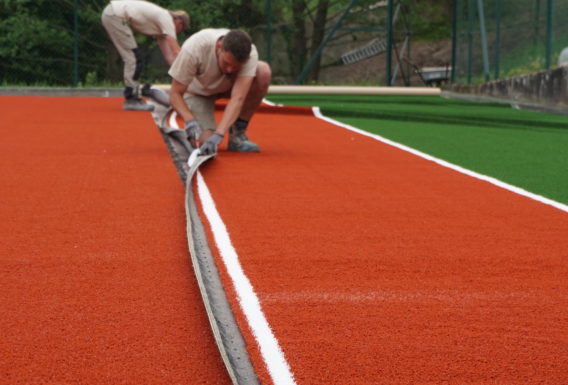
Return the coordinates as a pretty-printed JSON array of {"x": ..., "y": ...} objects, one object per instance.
[
  {"x": 174, "y": 47},
  {"x": 232, "y": 111},
  {"x": 230, "y": 114},
  {"x": 178, "y": 104},
  {"x": 169, "y": 47}
]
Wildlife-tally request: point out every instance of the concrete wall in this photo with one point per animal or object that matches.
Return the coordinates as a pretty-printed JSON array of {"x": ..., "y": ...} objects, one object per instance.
[{"x": 547, "y": 88}]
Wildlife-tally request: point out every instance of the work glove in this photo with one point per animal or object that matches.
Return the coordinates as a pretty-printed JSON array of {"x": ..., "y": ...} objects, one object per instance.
[
  {"x": 193, "y": 131},
  {"x": 210, "y": 145}
]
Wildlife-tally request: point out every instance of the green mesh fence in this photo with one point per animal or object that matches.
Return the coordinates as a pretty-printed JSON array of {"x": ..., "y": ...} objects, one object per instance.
[
  {"x": 63, "y": 43},
  {"x": 497, "y": 39},
  {"x": 51, "y": 42}
]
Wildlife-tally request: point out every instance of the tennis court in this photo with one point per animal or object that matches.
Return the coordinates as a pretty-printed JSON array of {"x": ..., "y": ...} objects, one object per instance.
[{"x": 407, "y": 257}]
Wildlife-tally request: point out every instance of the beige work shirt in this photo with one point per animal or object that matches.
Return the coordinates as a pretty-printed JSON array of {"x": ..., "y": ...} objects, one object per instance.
[
  {"x": 197, "y": 64},
  {"x": 144, "y": 17}
]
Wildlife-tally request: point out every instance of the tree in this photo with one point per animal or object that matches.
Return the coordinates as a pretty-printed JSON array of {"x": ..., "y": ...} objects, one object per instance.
[
  {"x": 37, "y": 36},
  {"x": 310, "y": 21},
  {"x": 297, "y": 32}
]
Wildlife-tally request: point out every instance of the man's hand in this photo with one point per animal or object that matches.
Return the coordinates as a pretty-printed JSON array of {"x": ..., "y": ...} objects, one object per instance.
[
  {"x": 193, "y": 131},
  {"x": 211, "y": 144}
]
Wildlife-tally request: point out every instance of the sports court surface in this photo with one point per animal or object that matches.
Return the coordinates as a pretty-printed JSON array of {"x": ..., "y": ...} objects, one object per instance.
[{"x": 372, "y": 263}]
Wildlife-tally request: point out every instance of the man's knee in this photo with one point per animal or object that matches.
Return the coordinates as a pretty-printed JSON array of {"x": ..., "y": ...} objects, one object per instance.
[
  {"x": 203, "y": 108},
  {"x": 263, "y": 76}
]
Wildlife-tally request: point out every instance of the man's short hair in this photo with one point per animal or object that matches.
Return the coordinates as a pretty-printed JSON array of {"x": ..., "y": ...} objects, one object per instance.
[
  {"x": 238, "y": 43},
  {"x": 181, "y": 15}
]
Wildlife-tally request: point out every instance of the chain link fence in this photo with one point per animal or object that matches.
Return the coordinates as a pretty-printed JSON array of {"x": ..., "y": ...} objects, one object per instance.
[
  {"x": 63, "y": 43},
  {"x": 501, "y": 39}
]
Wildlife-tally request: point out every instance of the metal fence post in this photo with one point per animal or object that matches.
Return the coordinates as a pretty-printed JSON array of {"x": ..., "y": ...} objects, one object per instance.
[
  {"x": 484, "y": 50},
  {"x": 548, "y": 54},
  {"x": 536, "y": 36},
  {"x": 268, "y": 36},
  {"x": 389, "y": 42},
  {"x": 319, "y": 50},
  {"x": 469, "y": 40},
  {"x": 75, "y": 43},
  {"x": 455, "y": 4},
  {"x": 497, "y": 37}
]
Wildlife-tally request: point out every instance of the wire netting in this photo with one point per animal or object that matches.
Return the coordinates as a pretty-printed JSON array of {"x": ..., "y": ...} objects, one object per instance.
[
  {"x": 63, "y": 43},
  {"x": 500, "y": 39}
]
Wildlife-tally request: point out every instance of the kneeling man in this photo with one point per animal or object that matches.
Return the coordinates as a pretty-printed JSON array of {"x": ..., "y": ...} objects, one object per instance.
[{"x": 213, "y": 64}]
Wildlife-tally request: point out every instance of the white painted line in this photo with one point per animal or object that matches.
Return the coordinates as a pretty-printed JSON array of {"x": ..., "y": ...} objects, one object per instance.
[
  {"x": 173, "y": 121},
  {"x": 271, "y": 104},
  {"x": 193, "y": 157},
  {"x": 270, "y": 350},
  {"x": 494, "y": 181}
]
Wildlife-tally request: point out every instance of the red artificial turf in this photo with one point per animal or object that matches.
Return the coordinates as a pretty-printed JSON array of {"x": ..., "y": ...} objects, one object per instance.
[
  {"x": 96, "y": 282},
  {"x": 374, "y": 266}
]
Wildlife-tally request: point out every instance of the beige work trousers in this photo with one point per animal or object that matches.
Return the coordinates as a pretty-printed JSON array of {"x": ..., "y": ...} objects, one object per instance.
[
  {"x": 203, "y": 108},
  {"x": 123, "y": 39}
]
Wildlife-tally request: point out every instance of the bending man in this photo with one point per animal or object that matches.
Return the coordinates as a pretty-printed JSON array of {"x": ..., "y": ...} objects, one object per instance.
[
  {"x": 120, "y": 18},
  {"x": 213, "y": 64}
]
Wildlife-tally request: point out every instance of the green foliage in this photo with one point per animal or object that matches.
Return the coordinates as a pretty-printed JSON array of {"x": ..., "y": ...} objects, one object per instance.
[
  {"x": 91, "y": 79},
  {"x": 528, "y": 59},
  {"x": 517, "y": 34},
  {"x": 37, "y": 37},
  {"x": 28, "y": 41},
  {"x": 431, "y": 19}
]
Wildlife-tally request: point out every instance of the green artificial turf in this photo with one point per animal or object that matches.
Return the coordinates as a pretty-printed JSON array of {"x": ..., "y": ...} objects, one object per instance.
[{"x": 524, "y": 148}]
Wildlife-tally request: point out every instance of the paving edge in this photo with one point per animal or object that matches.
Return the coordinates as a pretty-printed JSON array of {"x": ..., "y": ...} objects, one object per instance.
[{"x": 62, "y": 91}]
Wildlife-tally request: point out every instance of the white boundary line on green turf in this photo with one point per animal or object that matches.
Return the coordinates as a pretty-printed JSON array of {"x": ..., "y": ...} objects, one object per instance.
[
  {"x": 272, "y": 354},
  {"x": 494, "y": 181}
]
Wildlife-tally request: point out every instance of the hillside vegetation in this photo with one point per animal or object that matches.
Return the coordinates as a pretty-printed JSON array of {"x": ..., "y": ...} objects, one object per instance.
[{"x": 61, "y": 45}]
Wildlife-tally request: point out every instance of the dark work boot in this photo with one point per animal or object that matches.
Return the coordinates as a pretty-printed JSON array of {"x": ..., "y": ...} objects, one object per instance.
[
  {"x": 238, "y": 140},
  {"x": 133, "y": 102}
]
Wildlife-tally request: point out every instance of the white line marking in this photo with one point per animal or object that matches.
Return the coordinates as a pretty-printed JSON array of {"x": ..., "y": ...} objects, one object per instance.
[
  {"x": 270, "y": 350},
  {"x": 268, "y": 102},
  {"x": 193, "y": 157},
  {"x": 496, "y": 182},
  {"x": 173, "y": 121}
]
